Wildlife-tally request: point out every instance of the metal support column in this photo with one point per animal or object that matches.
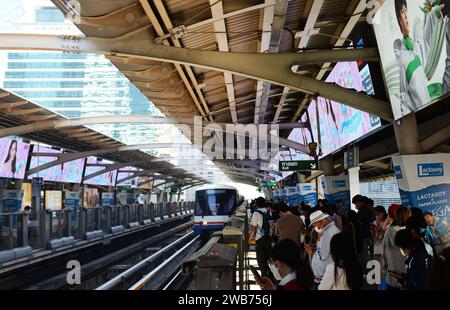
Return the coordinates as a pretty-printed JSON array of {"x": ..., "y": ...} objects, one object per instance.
[
  {"x": 108, "y": 213},
  {"x": 140, "y": 214},
  {"x": 82, "y": 222},
  {"x": 126, "y": 215},
  {"x": 44, "y": 227},
  {"x": 67, "y": 221},
  {"x": 22, "y": 230},
  {"x": 161, "y": 210},
  {"x": 151, "y": 206}
]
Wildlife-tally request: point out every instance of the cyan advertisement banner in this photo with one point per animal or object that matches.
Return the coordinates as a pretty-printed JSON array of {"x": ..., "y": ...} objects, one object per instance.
[
  {"x": 424, "y": 182},
  {"x": 11, "y": 203},
  {"x": 337, "y": 188}
]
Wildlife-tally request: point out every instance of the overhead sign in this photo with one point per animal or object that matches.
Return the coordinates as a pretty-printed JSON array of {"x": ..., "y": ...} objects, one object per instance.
[
  {"x": 351, "y": 157},
  {"x": 37, "y": 181},
  {"x": 298, "y": 165}
]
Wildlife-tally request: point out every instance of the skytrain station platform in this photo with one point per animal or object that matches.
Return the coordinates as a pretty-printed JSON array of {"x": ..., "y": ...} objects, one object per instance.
[{"x": 239, "y": 145}]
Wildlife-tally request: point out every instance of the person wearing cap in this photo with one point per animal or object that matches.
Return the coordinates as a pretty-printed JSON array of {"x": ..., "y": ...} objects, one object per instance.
[
  {"x": 325, "y": 229},
  {"x": 391, "y": 215}
]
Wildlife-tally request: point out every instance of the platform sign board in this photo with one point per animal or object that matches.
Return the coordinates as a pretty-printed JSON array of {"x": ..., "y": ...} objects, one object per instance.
[
  {"x": 11, "y": 203},
  {"x": 424, "y": 182},
  {"x": 292, "y": 195},
  {"x": 37, "y": 181},
  {"x": 107, "y": 199},
  {"x": 415, "y": 57},
  {"x": 276, "y": 195},
  {"x": 72, "y": 200},
  {"x": 337, "y": 188},
  {"x": 351, "y": 157},
  {"x": 132, "y": 198},
  {"x": 298, "y": 165},
  {"x": 283, "y": 195},
  {"x": 307, "y": 193}
]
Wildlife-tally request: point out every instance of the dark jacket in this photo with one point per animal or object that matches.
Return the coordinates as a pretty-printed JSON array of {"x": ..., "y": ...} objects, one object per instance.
[
  {"x": 417, "y": 267},
  {"x": 365, "y": 218}
]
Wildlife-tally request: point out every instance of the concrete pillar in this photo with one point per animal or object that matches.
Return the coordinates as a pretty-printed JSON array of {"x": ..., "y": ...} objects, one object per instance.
[
  {"x": 301, "y": 177},
  {"x": 407, "y": 135},
  {"x": 353, "y": 176},
  {"x": 326, "y": 165}
]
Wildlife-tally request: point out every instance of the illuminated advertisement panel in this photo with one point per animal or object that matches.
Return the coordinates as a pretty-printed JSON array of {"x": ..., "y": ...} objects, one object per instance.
[
  {"x": 13, "y": 158},
  {"x": 69, "y": 172},
  {"x": 53, "y": 200},
  {"x": 125, "y": 173},
  {"x": 105, "y": 179},
  {"x": 339, "y": 123},
  {"x": 414, "y": 44}
]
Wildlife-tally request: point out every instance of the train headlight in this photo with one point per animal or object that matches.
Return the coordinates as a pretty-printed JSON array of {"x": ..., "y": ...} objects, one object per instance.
[{"x": 204, "y": 223}]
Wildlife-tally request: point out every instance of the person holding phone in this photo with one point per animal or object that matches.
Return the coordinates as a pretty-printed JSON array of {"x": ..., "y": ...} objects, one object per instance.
[{"x": 288, "y": 268}]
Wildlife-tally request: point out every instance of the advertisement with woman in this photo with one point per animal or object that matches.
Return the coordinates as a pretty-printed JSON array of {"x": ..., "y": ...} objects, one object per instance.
[
  {"x": 413, "y": 38},
  {"x": 13, "y": 158}
]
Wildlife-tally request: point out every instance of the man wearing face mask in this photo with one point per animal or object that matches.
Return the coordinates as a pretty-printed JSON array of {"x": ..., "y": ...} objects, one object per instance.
[{"x": 325, "y": 229}]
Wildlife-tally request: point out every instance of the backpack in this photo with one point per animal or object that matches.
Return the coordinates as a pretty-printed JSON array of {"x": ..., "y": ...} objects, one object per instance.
[{"x": 265, "y": 229}]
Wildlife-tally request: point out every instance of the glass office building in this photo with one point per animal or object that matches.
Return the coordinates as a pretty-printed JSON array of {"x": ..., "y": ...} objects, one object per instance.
[{"x": 78, "y": 85}]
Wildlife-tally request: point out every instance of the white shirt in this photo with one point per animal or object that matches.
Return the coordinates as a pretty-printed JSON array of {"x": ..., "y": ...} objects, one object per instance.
[
  {"x": 257, "y": 221},
  {"x": 328, "y": 281},
  {"x": 322, "y": 257},
  {"x": 288, "y": 278}
]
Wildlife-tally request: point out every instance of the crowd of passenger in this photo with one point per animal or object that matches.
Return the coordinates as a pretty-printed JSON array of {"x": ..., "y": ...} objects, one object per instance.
[{"x": 328, "y": 246}]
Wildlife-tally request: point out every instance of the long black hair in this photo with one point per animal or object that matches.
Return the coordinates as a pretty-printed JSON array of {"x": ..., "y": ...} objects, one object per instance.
[
  {"x": 288, "y": 252},
  {"x": 341, "y": 249},
  {"x": 8, "y": 157}
]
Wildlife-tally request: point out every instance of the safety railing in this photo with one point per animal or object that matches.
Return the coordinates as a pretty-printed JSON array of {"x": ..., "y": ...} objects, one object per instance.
[{"x": 57, "y": 228}]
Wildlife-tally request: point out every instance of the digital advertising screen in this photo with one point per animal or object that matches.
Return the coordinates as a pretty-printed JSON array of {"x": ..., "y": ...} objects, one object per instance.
[
  {"x": 339, "y": 123},
  {"x": 105, "y": 179},
  {"x": 125, "y": 173},
  {"x": 53, "y": 200},
  {"x": 13, "y": 158},
  {"x": 69, "y": 172},
  {"x": 413, "y": 39}
]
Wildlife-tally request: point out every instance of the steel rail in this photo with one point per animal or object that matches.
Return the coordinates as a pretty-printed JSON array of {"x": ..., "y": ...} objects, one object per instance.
[{"x": 119, "y": 278}]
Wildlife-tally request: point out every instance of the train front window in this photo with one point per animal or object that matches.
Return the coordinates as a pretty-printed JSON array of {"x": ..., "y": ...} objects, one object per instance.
[{"x": 215, "y": 202}]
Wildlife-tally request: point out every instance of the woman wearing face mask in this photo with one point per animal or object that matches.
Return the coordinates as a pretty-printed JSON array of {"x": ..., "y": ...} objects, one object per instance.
[
  {"x": 417, "y": 262},
  {"x": 288, "y": 268}
]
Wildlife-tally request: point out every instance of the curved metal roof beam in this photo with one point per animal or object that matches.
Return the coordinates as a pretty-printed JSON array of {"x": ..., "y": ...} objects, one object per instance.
[{"x": 251, "y": 65}]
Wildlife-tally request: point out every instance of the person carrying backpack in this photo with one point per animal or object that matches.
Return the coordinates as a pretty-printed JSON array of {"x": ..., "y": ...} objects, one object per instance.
[{"x": 260, "y": 234}]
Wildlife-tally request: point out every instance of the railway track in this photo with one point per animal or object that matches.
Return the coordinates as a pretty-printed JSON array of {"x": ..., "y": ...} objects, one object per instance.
[
  {"x": 102, "y": 270},
  {"x": 156, "y": 271}
]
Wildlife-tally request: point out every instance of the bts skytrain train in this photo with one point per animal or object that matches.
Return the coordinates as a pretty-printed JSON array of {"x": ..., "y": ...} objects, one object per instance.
[{"x": 214, "y": 205}]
